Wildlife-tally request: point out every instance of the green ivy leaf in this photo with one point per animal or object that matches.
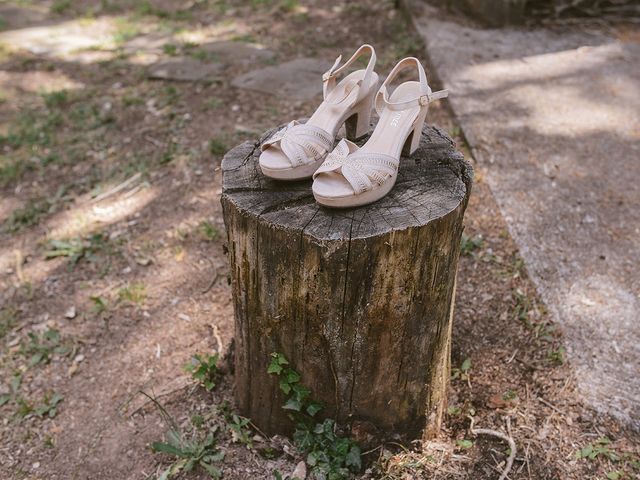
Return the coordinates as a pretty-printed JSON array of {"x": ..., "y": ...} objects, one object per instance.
[
  {"x": 274, "y": 367},
  {"x": 466, "y": 365},
  {"x": 353, "y": 459},
  {"x": 292, "y": 404},
  {"x": 284, "y": 386},
  {"x": 292, "y": 376},
  {"x": 313, "y": 408}
]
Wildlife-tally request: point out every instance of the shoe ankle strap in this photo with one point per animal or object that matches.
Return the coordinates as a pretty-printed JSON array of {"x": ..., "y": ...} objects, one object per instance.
[
  {"x": 426, "y": 95},
  {"x": 329, "y": 77}
]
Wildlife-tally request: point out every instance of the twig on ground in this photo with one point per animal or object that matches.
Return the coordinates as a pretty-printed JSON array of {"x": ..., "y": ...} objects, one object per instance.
[
  {"x": 551, "y": 406},
  {"x": 216, "y": 335},
  {"x": 372, "y": 450},
  {"x": 214, "y": 278},
  {"x": 264, "y": 435},
  {"x": 153, "y": 141},
  {"x": 117, "y": 188},
  {"x": 502, "y": 436},
  {"x": 19, "y": 261}
]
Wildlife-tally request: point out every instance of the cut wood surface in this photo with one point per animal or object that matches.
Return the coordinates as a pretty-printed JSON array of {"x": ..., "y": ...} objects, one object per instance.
[{"x": 359, "y": 300}]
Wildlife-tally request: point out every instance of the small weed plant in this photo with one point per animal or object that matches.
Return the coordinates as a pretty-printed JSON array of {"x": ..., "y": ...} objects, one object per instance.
[
  {"x": 462, "y": 373},
  {"x": 329, "y": 455},
  {"x": 94, "y": 249},
  {"x": 599, "y": 449},
  {"x": 189, "y": 450},
  {"x": 134, "y": 293},
  {"x": 204, "y": 368},
  {"x": 40, "y": 348},
  {"x": 240, "y": 431},
  {"x": 468, "y": 245}
]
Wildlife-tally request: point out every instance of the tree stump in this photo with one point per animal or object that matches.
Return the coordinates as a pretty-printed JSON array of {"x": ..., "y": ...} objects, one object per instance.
[{"x": 360, "y": 301}]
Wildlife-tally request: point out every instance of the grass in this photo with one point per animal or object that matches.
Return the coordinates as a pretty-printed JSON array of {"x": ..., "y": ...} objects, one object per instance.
[
  {"x": 27, "y": 216},
  {"x": 12, "y": 169},
  {"x": 88, "y": 116},
  {"x": 134, "y": 293},
  {"x": 203, "y": 55},
  {"x": 213, "y": 103},
  {"x": 557, "y": 357},
  {"x": 170, "y": 49},
  {"x": 126, "y": 29},
  {"x": 60, "y": 6},
  {"x": 148, "y": 9},
  {"x": 95, "y": 248},
  {"x": 99, "y": 305},
  {"x": 7, "y": 320},
  {"x": 528, "y": 312},
  {"x": 32, "y": 128},
  {"x": 217, "y": 146},
  {"x": 470, "y": 244},
  {"x": 207, "y": 231},
  {"x": 55, "y": 99},
  {"x": 129, "y": 100}
]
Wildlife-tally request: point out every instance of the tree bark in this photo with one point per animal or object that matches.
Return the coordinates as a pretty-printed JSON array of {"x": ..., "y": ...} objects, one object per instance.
[{"x": 360, "y": 301}]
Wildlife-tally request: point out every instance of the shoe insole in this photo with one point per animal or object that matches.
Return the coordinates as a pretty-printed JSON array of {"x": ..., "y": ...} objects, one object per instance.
[{"x": 327, "y": 116}]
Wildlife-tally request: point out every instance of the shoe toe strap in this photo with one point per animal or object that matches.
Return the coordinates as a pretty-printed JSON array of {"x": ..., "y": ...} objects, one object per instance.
[
  {"x": 300, "y": 143},
  {"x": 362, "y": 170}
]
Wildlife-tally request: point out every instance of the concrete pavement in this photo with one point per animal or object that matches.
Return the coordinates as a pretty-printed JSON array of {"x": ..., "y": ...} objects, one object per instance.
[{"x": 553, "y": 116}]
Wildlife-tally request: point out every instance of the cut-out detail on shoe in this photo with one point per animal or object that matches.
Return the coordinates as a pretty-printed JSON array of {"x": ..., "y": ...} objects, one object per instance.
[
  {"x": 363, "y": 171},
  {"x": 353, "y": 176},
  {"x": 297, "y": 150}
]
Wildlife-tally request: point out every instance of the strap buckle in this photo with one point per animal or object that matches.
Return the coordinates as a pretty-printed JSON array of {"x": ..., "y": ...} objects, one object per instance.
[{"x": 430, "y": 97}]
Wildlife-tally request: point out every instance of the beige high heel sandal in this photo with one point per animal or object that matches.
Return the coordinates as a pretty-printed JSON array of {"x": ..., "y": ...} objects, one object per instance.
[
  {"x": 297, "y": 150},
  {"x": 351, "y": 175}
]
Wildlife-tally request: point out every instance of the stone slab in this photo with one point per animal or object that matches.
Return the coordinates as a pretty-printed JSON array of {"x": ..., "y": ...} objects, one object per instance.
[
  {"x": 299, "y": 79},
  {"x": 218, "y": 57},
  {"x": 231, "y": 52},
  {"x": 554, "y": 118},
  {"x": 185, "y": 70}
]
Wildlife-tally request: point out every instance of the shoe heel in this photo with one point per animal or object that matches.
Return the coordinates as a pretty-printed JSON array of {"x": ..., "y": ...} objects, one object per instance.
[
  {"x": 412, "y": 142},
  {"x": 359, "y": 123}
]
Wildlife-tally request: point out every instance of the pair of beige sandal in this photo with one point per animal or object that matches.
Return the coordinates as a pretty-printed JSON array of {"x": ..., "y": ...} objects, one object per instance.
[{"x": 345, "y": 175}]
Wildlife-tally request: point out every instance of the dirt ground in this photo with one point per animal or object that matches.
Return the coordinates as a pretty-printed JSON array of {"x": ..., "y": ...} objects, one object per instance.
[{"x": 113, "y": 271}]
